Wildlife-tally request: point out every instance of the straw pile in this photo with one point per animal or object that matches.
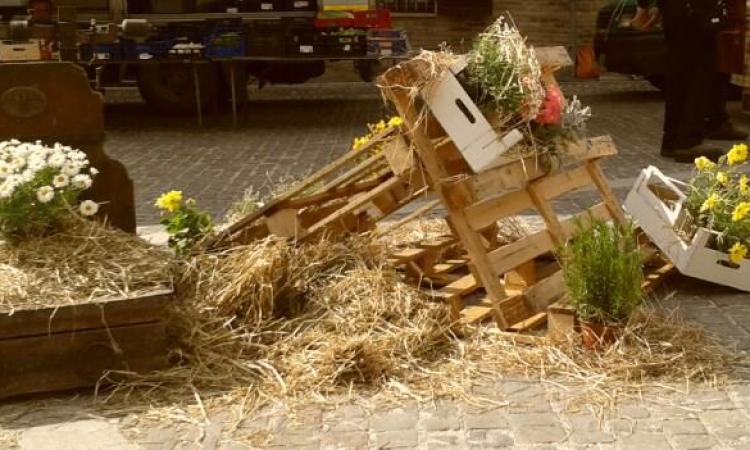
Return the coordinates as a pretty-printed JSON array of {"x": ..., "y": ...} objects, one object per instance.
[
  {"x": 274, "y": 322},
  {"x": 84, "y": 262}
]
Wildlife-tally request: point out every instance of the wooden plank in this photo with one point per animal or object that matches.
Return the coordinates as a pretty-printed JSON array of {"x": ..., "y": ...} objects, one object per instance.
[
  {"x": 406, "y": 255},
  {"x": 284, "y": 223},
  {"x": 553, "y": 58},
  {"x": 340, "y": 192},
  {"x": 595, "y": 171},
  {"x": 459, "y": 288},
  {"x": 536, "y": 321},
  {"x": 514, "y": 175},
  {"x": 355, "y": 173},
  {"x": 513, "y": 308},
  {"x": 399, "y": 155},
  {"x": 116, "y": 312},
  {"x": 63, "y": 361},
  {"x": 562, "y": 183},
  {"x": 592, "y": 148},
  {"x": 412, "y": 216},
  {"x": 303, "y": 186},
  {"x": 352, "y": 206},
  {"x": 560, "y": 325},
  {"x": 484, "y": 213},
  {"x": 545, "y": 292}
]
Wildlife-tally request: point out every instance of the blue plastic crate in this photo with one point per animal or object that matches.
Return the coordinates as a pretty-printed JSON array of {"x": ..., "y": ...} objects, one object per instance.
[{"x": 225, "y": 44}]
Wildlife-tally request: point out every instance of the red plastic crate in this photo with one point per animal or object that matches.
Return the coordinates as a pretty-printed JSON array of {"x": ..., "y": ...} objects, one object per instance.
[{"x": 376, "y": 18}]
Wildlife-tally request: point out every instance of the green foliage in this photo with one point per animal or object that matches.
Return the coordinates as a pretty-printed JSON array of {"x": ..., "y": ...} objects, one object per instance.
[
  {"x": 603, "y": 272},
  {"x": 186, "y": 226}
]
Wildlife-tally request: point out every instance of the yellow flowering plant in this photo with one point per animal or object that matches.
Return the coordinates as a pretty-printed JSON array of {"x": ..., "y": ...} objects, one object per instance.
[
  {"x": 185, "y": 224},
  {"x": 375, "y": 129},
  {"x": 718, "y": 198}
]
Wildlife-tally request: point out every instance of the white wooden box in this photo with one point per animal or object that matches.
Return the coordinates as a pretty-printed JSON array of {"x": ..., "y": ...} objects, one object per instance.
[
  {"x": 480, "y": 145},
  {"x": 23, "y": 51},
  {"x": 659, "y": 219}
]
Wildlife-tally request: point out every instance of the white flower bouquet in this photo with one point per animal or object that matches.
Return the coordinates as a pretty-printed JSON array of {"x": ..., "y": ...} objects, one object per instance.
[{"x": 40, "y": 186}]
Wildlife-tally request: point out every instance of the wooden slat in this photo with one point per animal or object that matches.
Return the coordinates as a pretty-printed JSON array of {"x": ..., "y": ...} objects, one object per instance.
[
  {"x": 592, "y": 148},
  {"x": 117, "y": 312},
  {"x": 352, "y": 206},
  {"x": 310, "y": 181},
  {"x": 71, "y": 360},
  {"x": 562, "y": 183},
  {"x": 323, "y": 197},
  {"x": 487, "y": 212},
  {"x": 545, "y": 292},
  {"x": 536, "y": 321},
  {"x": 597, "y": 176},
  {"x": 410, "y": 217},
  {"x": 353, "y": 174},
  {"x": 459, "y": 288}
]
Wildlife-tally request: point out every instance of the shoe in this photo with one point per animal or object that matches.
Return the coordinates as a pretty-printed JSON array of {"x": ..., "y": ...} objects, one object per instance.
[
  {"x": 688, "y": 155},
  {"x": 726, "y": 132}
]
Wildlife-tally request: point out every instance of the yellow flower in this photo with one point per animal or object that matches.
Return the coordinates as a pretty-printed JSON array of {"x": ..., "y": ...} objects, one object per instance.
[
  {"x": 395, "y": 122},
  {"x": 741, "y": 211},
  {"x": 743, "y": 184},
  {"x": 360, "y": 142},
  {"x": 737, "y": 253},
  {"x": 737, "y": 155},
  {"x": 722, "y": 178},
  {"x": 704, "y": 163},
  {"x": 170, "y": 201},
  {"x": 380, "y": 126},
  {"x": 710, "y": 203}
]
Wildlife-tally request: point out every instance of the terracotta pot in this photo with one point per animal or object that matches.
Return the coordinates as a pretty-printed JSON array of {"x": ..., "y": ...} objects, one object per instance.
[{"x": 596, "y": 335}]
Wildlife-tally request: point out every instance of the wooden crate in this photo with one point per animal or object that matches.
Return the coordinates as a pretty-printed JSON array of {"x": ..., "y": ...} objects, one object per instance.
[{"x": 73, "y": 346}]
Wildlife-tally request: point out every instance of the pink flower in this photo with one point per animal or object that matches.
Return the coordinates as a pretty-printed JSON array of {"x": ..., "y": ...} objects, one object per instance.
[{"x": 551, "y": 111}]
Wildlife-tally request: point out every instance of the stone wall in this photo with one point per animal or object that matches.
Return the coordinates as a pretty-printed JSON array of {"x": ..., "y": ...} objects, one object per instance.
[{"x": 545, "y": 22}]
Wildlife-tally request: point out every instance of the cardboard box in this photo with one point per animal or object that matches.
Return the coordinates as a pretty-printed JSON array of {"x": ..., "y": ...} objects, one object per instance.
[{"x": 24, "y": 51}]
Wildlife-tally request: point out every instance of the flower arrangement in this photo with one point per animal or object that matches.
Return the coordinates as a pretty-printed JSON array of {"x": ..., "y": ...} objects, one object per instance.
[
  {"x": 718, "y": 199},
  {"x": 506, "y": 74},
  {"x": 40, "y": 186},
  {"x": 185, "y": 224},
  {"x": 376, "y": 129}
]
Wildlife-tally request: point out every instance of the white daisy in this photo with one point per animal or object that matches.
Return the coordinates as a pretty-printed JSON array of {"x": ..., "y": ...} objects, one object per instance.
[
  {"x": 6, "y": 190},
  {"x": 94, "y": 171},
  {"x": 82, "y": 182},
  {"x": 60, "y": 181},
  {"x": 89, "y": 208},
  {"x": 56, "y": 159},
  {"x": 71, "y": 169},
  {"x": 18, "y": 162},
  {"x": 45, "y": 194},
  {"x": 5, "y": 170}
]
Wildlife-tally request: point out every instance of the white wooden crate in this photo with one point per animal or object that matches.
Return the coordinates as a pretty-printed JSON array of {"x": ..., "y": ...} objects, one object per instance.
[
  {"x": 658, "y": 219},
  {"x": 480, "y": 145},
  {"x": 23, "y": 51}
]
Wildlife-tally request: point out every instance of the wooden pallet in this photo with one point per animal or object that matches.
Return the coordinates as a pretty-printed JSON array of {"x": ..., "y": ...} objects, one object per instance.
[
  {"x": 73, "y": 346},
  {"x": 515, "y": 293}
]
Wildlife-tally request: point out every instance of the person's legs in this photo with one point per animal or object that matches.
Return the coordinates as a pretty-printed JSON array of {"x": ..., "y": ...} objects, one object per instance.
[{"x": 718, "y": 125}]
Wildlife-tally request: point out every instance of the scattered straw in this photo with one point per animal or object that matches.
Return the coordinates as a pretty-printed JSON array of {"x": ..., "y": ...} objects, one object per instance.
[
  {"x": 8, "y": 439},
  {"x": 84, "y": 262},
  {"x": 275, "y": 323}
]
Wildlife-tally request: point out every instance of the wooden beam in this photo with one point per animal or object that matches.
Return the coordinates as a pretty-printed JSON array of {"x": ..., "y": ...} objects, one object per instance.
[
  {"x": 487, "y": 212},
  {"x": 536, "y": 321},
  {"x": 595, "y": 171}
]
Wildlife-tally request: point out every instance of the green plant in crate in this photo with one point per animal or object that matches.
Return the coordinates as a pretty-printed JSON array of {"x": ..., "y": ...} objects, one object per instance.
[
  {"x": 603, "y": 272},
  {"x": 40, "y": 186},
  {"x": 718, "y": 198},
  {"x": 185, "y": 224}
]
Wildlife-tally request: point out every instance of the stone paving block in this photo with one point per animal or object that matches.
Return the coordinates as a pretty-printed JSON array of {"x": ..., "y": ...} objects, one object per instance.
[
  {"x": 684, "y": 426},
  {"x": 79, "y": 435},
  {"x": 395, "y": 419},
  {"x": 443, "y": 416},
  {"x": 710, "y": 401},
  {"x": 345, "y": 418},
  {"x": 644, "y": 441},
  {"x": 344, "y": 440},
  {"x": 499, "y": 439},
  {"x": 633, "y": 412},
  {"x": 694, "y": 442},
  {"x": 495, "y": 418},
  {"x": 540, "y": 434},
  {"x": 723, "y": 419},
  {"x": 591, "y": 437},
  {"x": 440, "y": 440},
  {"x": 395, "y": 439},
  {"x": 583, "y": 422},
  {"x": 732, "y": 434},
  {"x": 649, "y": 424},
  {"x": 518, "y": 421}
]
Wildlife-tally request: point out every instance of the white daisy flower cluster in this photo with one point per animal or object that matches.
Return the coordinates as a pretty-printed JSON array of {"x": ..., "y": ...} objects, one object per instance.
[{"x": 51, "y": 173}]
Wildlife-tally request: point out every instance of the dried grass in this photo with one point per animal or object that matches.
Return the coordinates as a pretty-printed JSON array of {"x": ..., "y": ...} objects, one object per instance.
[
  {"x": 84, "y": 262},
  {"x": 8, "y": 439},
  {"x": 275, "y": 323}
]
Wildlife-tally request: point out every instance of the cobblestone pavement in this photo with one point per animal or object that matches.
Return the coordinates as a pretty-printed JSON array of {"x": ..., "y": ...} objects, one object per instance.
[{"x": 290, "y": 131}]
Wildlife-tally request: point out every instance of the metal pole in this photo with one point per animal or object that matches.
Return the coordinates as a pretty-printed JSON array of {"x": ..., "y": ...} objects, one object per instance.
[
  {"x": 234, "y": 93},
  {"x": 197, "y": 94},
  {"x": 574, "y": 34}
]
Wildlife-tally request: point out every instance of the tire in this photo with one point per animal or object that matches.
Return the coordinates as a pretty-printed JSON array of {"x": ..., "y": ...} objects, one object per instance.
[
  {"x": 169, "y": 88},
  {"x": 368, "y": 70}
]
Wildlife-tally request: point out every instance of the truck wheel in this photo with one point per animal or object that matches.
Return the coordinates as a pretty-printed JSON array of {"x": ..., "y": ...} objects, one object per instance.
[
  {"x": 367, "y": 70},
  {"x": 170, "y": 88}
]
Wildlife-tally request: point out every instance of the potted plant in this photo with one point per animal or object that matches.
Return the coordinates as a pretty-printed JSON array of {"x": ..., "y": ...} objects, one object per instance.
[{"x": 603, "y": 273}]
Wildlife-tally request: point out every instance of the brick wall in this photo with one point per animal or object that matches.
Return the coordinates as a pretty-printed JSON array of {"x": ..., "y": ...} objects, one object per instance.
[{"x": 545, "y": 22}]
